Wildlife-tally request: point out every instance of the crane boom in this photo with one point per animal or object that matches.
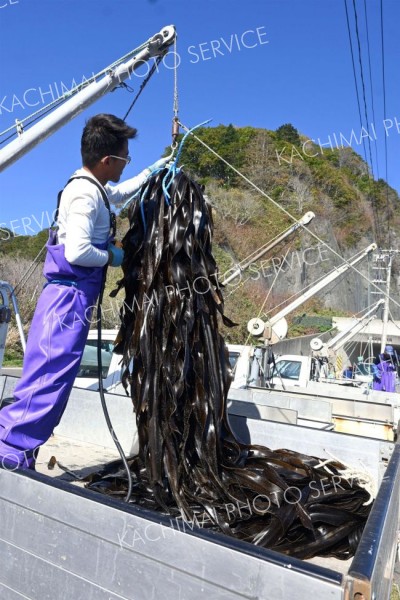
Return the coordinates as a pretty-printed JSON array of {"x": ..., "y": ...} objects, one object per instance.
[
  {"x": 156, "y": 46},
  {"x": 242, "y": 266},
  {"x": 344, "y": 336},
  {"x": 334, "y": 274}
]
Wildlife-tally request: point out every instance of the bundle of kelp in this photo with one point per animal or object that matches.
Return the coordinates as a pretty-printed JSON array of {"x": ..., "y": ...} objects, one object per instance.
[{"x": 178, "y": 373}]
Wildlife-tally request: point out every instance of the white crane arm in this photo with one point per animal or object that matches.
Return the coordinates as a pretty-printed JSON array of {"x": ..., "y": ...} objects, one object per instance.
[
  {"x": 334, "y": 274},
  {"x": 157, "y": 46},
  {"x": 254, "y": 257},
  {"x": 344, "y": 336}
]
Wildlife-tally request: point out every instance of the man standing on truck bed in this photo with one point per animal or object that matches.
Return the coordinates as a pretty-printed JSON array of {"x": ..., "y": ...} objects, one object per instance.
[{"x": 77, "y": 254}]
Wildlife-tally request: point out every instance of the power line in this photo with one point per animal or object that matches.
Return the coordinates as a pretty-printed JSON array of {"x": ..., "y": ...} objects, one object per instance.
[
  {"x": 363, "y": 84},
  {"x": 354, "y": 75},
  {"x": 371, "y": 193},
  {"x": 370, "y": 83},
  {"x": 384, "y": 116}
]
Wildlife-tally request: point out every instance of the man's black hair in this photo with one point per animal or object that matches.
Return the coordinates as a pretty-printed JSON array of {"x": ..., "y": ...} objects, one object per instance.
[{"x": 104, "y": 135}]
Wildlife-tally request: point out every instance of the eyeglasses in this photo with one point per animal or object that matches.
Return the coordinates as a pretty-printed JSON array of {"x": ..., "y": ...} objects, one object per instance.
[{"x": 127, "y": 159}]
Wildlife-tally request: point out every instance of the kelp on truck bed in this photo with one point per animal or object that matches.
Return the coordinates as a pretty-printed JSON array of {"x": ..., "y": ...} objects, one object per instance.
[{"x": 178, "y": 374}]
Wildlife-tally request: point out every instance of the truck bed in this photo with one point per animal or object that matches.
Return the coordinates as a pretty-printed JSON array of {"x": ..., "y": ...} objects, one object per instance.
[{"x": 62, "y": 540}]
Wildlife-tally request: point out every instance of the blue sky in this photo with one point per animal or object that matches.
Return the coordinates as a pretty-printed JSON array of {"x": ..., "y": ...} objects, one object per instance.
[{"x": 260, "y": 63}]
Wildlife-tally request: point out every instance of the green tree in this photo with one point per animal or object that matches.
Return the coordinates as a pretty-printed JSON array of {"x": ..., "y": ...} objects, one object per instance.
[
  {"x": 288, "y": 133},
  {"x": 228, "y": 141}
]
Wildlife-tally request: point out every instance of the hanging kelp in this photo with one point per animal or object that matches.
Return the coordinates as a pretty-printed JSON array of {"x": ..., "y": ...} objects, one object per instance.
[{"x": 178, "y": 374}]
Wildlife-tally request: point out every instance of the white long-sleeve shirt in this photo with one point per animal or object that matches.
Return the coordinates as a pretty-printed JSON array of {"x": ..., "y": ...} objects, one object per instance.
[{"x": 83, "y": 219}]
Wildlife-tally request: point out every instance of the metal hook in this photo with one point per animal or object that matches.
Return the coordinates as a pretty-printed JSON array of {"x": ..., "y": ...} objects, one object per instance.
[{"x": 173, "y": 147}]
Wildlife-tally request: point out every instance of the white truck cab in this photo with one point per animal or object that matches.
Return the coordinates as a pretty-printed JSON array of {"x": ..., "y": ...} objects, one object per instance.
[
  {"x": 291, "y": 369},
  {"x": 247, "y": 362},
  {"x": 239, "y": 357},
  {"x": 111, "y": 363}
]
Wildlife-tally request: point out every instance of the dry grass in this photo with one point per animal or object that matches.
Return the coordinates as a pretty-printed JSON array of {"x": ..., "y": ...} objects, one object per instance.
[{"x": 395, "y": 595}]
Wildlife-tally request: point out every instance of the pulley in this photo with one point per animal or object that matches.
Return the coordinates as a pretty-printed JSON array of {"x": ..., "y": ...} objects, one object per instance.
[
  {"x": 316, "y": 344},
  {"x": 256, "y": 327}
]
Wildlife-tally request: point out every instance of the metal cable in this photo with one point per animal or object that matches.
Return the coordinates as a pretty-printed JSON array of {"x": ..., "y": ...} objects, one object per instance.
[
  {"x": 175, "y": 107},
  {"x": 30, "y": 270},
  {"x": 363, "y": 84},
  {"x": 354, "y": 75},
  {"x": 267, "y": 296},
  {"x": 373, "y": 203},
  {"x": 144, "y": 83},
  {"x": 370, "y": 82},
  {"x": 384, "y": 117},
  {"x": 354, "y": 316}
]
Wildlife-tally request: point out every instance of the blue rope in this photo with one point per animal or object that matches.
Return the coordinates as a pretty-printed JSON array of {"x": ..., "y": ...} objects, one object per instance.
[
  {"x": 167, "y": 179},
  {"x": 135, "y": 195},
  {"x": 142, "y": 209}
]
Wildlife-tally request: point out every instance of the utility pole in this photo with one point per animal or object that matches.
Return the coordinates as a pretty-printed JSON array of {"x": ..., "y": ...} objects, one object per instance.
[
  {"x": 383, "y": 269},
  {"x": 385, "y": 317}
]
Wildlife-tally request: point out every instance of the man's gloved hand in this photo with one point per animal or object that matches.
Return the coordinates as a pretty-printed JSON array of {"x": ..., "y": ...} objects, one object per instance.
[
  {"x": 115, "y": 255},
  {"x": 159, "y": 164}
]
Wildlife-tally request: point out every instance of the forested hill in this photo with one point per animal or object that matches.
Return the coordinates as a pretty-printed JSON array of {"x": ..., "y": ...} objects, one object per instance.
[
  {"x": 352, "y": 210},
  {"x": 299, "y": 175}
]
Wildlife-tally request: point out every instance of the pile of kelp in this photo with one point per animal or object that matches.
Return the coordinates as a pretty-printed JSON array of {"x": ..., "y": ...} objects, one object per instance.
[{"x": 178, "y": 374}]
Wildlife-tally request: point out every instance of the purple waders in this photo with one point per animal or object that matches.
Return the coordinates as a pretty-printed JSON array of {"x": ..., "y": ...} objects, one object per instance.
[
  {"x": 386, "y": 379},
  {"x": 53, "y": 354}
]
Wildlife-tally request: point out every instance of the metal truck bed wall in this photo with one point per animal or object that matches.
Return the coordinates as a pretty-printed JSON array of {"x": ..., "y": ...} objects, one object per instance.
[
  {"x": 359, "y": 417},
  {"x": 316, "y": 389},
  {"x": 58, "y": 541},
  {"x": 318, "y": 409},
  {"x": 83, "y": 419},
  {"x": 306, "y": 408},
  {"x": 262, "y": 411}
]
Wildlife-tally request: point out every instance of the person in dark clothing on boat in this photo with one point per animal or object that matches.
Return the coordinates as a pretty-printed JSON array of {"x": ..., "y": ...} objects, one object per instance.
[
  {"x": 77, "y": 255},
  {"x": 348, "y": 372}
]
